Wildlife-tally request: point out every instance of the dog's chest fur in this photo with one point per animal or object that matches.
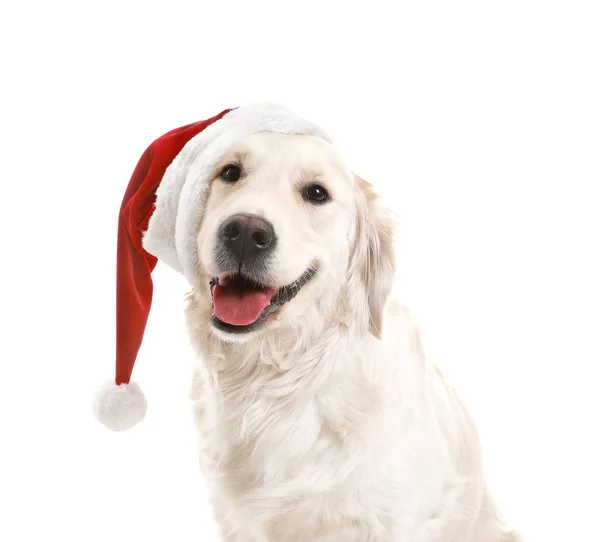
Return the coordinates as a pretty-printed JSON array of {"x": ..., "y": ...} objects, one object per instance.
[{"x": 310, "y": 451}]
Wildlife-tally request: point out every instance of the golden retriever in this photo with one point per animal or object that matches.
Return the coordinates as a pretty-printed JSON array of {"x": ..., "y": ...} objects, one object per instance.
[{"x": 320, "y": 419}]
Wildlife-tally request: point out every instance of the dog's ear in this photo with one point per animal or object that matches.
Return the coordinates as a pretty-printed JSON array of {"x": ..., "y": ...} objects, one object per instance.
[{"x": 372, "y": 261}]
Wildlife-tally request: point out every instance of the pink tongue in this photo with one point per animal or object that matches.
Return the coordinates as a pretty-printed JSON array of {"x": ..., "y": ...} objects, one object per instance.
[{"x": 240, "y": 308}]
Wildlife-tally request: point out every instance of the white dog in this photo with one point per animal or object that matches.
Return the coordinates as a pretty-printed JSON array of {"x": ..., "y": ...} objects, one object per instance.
[{"x": 320, "y": 419}]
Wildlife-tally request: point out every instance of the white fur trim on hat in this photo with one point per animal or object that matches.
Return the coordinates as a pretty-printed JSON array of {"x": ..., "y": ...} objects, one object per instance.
[
  {"x": 180, "y": 198},
  {"x": 119, "y": 407}
]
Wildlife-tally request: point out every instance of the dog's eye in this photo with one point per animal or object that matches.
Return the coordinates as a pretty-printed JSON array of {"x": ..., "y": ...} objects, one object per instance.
[
  {"x": 316, "y": 194},
  {"x": 231, "y": 173}
]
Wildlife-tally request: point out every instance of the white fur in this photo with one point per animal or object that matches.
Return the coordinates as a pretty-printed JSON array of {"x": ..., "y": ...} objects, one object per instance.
[
  {"x": 180, "y": 197},
  {"x": 328, "y": 425},
  {"x": 119, "y": 407}
]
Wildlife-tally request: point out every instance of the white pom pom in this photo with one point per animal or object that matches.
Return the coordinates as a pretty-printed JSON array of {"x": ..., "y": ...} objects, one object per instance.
[{"x": 119, "y": 407}]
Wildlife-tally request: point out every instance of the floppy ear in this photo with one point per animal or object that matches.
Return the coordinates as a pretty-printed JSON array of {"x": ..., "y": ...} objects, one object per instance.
[{"x": 372, "y": 261}]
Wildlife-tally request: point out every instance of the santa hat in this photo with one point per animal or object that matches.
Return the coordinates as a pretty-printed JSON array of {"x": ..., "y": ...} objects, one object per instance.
[{"x": 158, "y": 220}]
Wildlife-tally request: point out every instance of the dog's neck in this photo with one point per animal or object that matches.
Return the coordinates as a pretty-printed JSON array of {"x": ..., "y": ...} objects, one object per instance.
[
  {"x": 285, "y": 353},
  {"x": 287, "y": 377},
  {"x": 335, "y": 377}
]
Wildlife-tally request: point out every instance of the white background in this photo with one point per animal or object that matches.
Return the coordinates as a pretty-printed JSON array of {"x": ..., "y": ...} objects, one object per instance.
[{"x": 479, "y": 122}]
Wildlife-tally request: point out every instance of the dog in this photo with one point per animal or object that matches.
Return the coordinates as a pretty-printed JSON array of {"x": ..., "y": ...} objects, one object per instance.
[{"x": 319, "y": 417}]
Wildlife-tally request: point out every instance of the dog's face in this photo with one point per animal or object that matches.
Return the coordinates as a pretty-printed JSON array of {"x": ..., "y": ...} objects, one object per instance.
[{"x": 283, "y": 222}]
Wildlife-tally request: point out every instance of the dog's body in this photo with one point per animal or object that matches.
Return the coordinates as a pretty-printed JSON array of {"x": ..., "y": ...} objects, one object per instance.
[{"x": 325, "y": 423}]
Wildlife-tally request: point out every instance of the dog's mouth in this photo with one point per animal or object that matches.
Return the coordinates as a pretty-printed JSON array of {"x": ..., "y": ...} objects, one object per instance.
[{"x": 241, "y": 304}]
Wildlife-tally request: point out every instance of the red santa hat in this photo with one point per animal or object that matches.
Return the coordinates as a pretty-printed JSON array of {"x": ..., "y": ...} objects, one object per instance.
[{"x": 158, "y": 219}]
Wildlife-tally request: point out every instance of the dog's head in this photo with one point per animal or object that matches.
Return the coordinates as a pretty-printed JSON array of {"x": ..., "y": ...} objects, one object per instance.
[{"x": 290, "y": 233}]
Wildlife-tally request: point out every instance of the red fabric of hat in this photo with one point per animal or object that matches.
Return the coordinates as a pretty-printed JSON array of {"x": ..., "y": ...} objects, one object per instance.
[{"x": 134, "y": 273}]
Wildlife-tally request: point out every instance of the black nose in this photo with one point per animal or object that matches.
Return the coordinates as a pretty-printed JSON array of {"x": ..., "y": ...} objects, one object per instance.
[{"x": 247, "y": 237}]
